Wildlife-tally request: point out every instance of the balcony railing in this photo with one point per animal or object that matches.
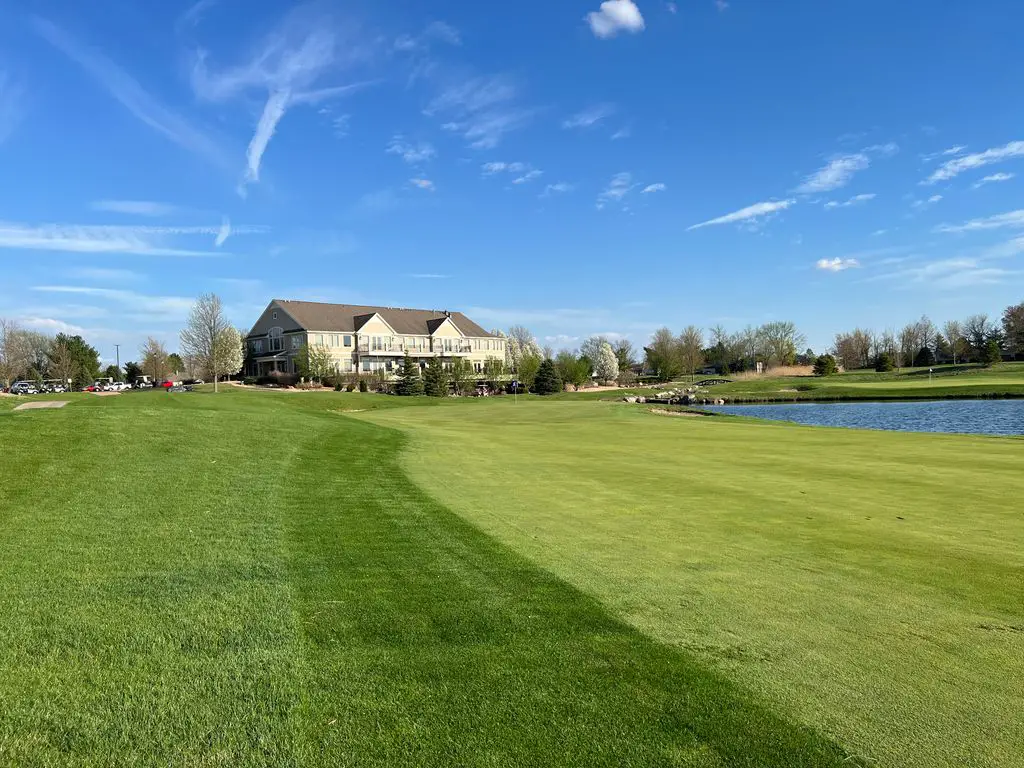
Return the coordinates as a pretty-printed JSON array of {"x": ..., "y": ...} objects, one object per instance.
[{"x": 401, "y": 349}]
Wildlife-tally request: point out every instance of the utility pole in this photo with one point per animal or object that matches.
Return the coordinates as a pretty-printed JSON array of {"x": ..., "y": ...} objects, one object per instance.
[{"x": 117, "y": 350}]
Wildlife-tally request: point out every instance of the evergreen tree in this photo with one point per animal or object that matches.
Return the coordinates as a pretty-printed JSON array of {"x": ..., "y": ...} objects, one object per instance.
[
  {"x": 435, "y": 378},
  {"x": 883, "y": 363},
  {"x": 992, "y": 353},
  {"x": 409, "y": 382},
  {"x": 825, "y": 365},
  {"x": 547, "y": 382}
]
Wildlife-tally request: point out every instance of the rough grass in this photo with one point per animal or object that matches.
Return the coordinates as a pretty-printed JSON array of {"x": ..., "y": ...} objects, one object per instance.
[
  {"x": 867, "y": 584},
  {"x": 250, "y": 579}
]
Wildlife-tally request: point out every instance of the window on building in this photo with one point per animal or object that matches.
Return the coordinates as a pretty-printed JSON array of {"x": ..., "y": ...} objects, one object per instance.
[
  {"x": 348, "y": 341},
  {"x": 296, "y": 342},
  {"x": 276, "y": 342},
  {"x": 275, "y": 315},
  {"x": 366, "y": 365}
]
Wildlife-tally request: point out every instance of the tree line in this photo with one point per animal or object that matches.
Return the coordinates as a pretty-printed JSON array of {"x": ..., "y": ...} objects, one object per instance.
[
  {"x": 210, "y": 348},
  {"x": 976, "y": 339}
]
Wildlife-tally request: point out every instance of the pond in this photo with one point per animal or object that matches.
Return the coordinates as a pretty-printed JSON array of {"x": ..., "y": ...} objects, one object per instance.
[{"x": 984, "y": 417}]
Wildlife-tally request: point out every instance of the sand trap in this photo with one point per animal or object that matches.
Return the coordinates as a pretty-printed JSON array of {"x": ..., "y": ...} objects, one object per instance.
[
  {"x": 41, "y": 404},
  {"x": 684, "y": 414},
  {"x": 106, "y": 394}
]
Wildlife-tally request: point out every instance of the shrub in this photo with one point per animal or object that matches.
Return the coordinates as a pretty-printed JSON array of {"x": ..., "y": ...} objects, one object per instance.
[
  {"x": 250, "y": 381},
  {"x": 825, "y": 365},
  {"x": 992, "y": 353},
  {"x": 883, "y": 363},
  {"x": 363, "y": 386}
]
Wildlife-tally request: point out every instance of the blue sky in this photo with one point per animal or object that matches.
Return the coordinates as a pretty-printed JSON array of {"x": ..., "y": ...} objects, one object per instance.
[{"x": 579, "y": 167}]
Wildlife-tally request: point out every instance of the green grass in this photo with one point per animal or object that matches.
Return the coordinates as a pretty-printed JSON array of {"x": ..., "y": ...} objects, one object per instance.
[
  {"x": 865, "y": 584},
  {"x": 252, "y": 579}
]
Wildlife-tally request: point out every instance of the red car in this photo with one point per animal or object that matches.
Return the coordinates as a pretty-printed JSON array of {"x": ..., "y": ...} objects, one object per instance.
[{"x": 167, "y": 384}]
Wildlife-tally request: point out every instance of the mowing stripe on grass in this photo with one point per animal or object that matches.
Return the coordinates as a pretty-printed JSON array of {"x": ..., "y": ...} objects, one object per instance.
[{"x": 429, "y": 644}]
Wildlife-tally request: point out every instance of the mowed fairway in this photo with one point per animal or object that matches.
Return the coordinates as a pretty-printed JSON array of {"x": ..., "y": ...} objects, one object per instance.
[
  {"x": 250, "y": 579},
  {"x": 869, "y": 585}
]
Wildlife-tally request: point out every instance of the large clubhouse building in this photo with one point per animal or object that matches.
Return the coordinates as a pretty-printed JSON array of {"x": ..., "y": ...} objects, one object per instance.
[{"x": 365, "y": 339}]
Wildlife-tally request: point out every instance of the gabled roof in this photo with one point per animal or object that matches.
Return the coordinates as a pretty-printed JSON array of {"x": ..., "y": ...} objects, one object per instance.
[{"x": 348, "y": 318}]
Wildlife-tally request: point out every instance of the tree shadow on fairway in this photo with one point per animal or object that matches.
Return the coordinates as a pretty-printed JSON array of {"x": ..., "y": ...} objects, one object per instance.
[{"x": 429, "y": 644}]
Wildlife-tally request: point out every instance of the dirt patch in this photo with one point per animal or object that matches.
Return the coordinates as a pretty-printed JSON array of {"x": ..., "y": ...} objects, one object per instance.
[
  {"x": 106, "y": 394},
  {"x": 41, "y": 404}
]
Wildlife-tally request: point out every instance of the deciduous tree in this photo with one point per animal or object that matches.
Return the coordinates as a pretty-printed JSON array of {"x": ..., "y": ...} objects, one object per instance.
[
  {"x": 314, "y": 362},
  {"x": 14, "y": 356},
  {"x": 691, "y": 344},
  {"x": 462, "y": 376},
  {"x": 1013, "y": 330},
  {"x": 154, "y": 360},
  {"x": 211, "y": 339},
  {"x": 572, "y": 369},
  {"x": 663, "y": 355},
  {"x": 606, "y": 367}
]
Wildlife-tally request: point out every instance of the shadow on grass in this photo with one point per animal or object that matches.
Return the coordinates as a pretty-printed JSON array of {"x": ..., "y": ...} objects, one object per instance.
[{"x": 429, "y": 644}]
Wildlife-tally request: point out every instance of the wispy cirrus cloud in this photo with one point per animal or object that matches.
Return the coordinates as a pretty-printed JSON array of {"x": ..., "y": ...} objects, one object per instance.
[
  {"x": 589, "y": 117},
  {"x": 836, "y": 173},
  {"x": 414, "y": 154},
  {"x": 424, "y": 184},
  {"x": 289, "y": 66},
  {"x": 481, "y": 109},
  {"x": 755, "y": 213},
  {"x": 849, "y": 203},
  {"x": 523, "y": 172},
  {"x": 954, "y": 168},
  {"x": 129, "y": 240},
  {"x": 11, "y": 96},
  {"x": 615, "y": 16},
  {"x": 618, "y": 188},
  {"x": 925, "y": 202},
  {"x": 994, "y": 178},
  {"x": 159, "y": 308},
  {"x": 651, "y": 188},
  {"x": 559, "y": 188},
  {"x": 528, "y": 176},
  {"x": 836, "y": 265},
  {"x": 950, "y": 274},
  {"x": 1010, "y": 220},
  {"x": 136, "y": 207},
  {"x": 131, "y": 95}
]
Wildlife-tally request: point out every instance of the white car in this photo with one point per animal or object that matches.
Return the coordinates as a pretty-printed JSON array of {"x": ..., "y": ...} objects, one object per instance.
[{"x": 24, "y": 388}]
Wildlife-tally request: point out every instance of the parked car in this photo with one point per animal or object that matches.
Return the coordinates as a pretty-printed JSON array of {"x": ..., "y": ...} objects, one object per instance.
[{"x": 24, "y": 388}]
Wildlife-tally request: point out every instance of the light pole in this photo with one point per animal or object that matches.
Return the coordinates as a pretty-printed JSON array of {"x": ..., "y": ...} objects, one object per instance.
[{"x": 117, "y": 352}]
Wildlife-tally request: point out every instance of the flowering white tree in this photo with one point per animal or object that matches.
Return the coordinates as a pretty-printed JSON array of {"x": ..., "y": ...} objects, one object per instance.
[
  {"x": 606, "y": 367},
  {"x": 211, "y": 340}
]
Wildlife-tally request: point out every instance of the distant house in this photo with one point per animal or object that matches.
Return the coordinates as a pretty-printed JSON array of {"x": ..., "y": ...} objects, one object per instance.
[{"x": 365, "y": 339}]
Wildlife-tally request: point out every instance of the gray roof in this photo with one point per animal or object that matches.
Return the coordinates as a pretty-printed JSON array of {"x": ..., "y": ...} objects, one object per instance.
[{"x": 349, "y": 318}]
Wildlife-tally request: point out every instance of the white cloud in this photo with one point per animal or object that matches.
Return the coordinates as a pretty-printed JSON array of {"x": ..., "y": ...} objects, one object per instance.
[
  {"x": 659, "y": 187},
  {"x": 1011, "y": 220},
  {"x": 139, "y": 241},
  {"x": 414, "y": 154},
  {"x": 426, "y": 184},
  {"x": 288, "y": 66},
  {"x": 428, "y": 276},
  {"x": 855, "y": 200},
  {"x": 922, "y": 204},
  {"x": 837, "y": 264},
  {"x": 672, "y": 8},
  {"x": 954, "y": 168},
  {"x": 158, "y": 307},
  {"x": 993, "y": 179},
  {"x": 951, "y": 274},
  {"x": 721, "y": 5},
  {"x": 482, "y": 110},
  {"x": 559, "y": 188},
  {"x": 10, "y": 106},
  {"x": 528, "y": 176},
  {"x": 50, "y": 325},
  {"x": 132, "y": 96},
  {"x": 135, "y": 207},
  {"x": 224, "y": 232},
  {"x": 754, "y": 212},
  {"x": 615, "y": 16},
  {"x": 589, "y": 117},
  {"x": 620, "y": 186},
  {"x": 622, "y": 133},
  {"x": 879, "y": 232},
  {"x": 835, "y": 174}
]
